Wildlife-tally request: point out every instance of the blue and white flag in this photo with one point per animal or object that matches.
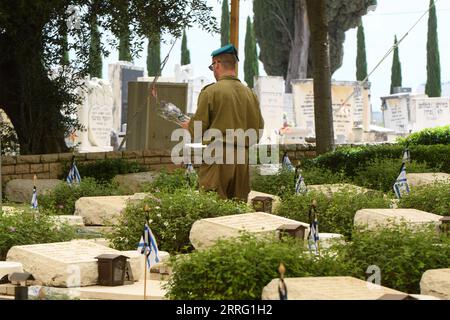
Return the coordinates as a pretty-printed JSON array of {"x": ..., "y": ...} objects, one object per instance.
[
  {"x": 34, "y": 200},
  {"x": 401, "y": 184},
  {"x": 406, "y": 155},
  {"x": 287, "y": 163},
  {"x": 74, "y": 175},
  {"x": 149, "y": 247},
  {"x": 300, "y": 185},
  {"x": 313, "y": 237},
  {"x": 190, "y": 169}
]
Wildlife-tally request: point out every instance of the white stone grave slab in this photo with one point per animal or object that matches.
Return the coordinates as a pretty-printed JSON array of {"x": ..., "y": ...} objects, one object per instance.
[
  {"x": 65, "y": 264},
  {"x": 419, "y": 179},
  {"x": 21, "y": 190},
  {"x": 204, "y": 233},
  {"x": 135, "y": 181},
  {"x": 430, "y": 113},
  {"x": 381, "y": 218},
  {"x": 100, "y": 211},
  {"x": 327, "y": 288},
  {"x": 436, "y": 283}
]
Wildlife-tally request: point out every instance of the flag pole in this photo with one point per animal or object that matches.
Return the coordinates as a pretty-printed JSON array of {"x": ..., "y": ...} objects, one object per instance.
[
  {"x": 145, "y": 277},
  {"x": 314, "y": 205}
]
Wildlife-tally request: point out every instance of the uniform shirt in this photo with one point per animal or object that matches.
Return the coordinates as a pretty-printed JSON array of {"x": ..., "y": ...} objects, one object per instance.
[{"x": 228, "y": 104}]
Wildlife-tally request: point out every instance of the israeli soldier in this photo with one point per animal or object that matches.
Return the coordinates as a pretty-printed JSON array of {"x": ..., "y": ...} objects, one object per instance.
[{"x": 227, "y": 105}]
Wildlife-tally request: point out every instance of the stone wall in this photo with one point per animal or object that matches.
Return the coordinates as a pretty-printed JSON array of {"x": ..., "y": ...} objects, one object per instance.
[{"x": 50, "y": 166}]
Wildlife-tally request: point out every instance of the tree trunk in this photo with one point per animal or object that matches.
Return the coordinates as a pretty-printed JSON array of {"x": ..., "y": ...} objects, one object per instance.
[
  {"x": 29, "y": 98},
  {"x": 298, "y": 59},
  {"x": 323, "y": 112}
]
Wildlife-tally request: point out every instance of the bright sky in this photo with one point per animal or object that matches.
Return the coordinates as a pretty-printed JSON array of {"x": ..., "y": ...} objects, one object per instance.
[{"x": 390, "y": 18}]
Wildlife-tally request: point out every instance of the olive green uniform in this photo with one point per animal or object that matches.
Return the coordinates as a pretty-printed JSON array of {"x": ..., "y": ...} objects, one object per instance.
[{"x": 227, "y": 104}]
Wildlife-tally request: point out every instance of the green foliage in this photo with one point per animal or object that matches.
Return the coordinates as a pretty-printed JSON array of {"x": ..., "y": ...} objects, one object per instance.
[
  {"x": 124, "y": 44},
  {"x": 433, "y": 198},
  {"x": 361, "y": 60},
  {"x": 171, "y": 216},
  {"x": 9, "y": 141},
  {"x": 62, "y": 199},
  {"x": 225, "y": 24},
  {"x": 251, "y": 68},
  {"x": 349, "y": 159},
  {"x": 336, "y": 212},
  {"x": 428, "y": 136},
  {"x": 433, "y": 85},
  {"x": 154, "y": 57},
  {"x": 380, "y": 174},
  {"x": 185, "y": 53},
  {"x": 171, "y": 181},
  {"x": 402, "y": 254},
  {"x": 95, "y": 53},
  {"x": 104, "y": 170},
  {"x": 239, "y": 269},
  {"x": 21, "y": 228},
  {"x": 396, "y": 70}
]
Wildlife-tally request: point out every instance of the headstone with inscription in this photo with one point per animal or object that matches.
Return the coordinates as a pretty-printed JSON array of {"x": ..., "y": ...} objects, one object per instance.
[
  {"x": 430, "y": 112},
  {"x": 204, "y": 233},
  {"x": 65, "y": 264}
]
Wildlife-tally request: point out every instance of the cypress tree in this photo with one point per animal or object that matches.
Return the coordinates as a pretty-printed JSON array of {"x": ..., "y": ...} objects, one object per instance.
[
  {"x": 65, "y": 51},
  {"x": 185, "y": 54},
  {"x": 154, "y": 57},
  {"x": 433, "y": 85},
  {"x": 396, "y": 70},
  {"x": 225, "y": 24},
  {"x": 124, "y": 45},
  {"x": 95, "y": 54},
  {"x": 251, "y": 55},
  {"x": 361, "y": 60}
]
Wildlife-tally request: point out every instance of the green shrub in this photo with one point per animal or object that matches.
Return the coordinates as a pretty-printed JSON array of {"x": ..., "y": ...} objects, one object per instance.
[
  {"x": 349, "y": 159},
  {"x": 429, "y": 136},
  {"x": 62, "y": 199},
  {"x": 336, "y": 213},
  {"x": 239, "y": 269},
  {"x": 380, "y": 174},
  {"x": 104, "y": 170},
  {"x": 433, "y": 198},
  {"x": 21, "y": 228},
  {"x": 171, "y": 216},
  {"x": 171, "y": 181},
  {"x": 402, "y": 255}
]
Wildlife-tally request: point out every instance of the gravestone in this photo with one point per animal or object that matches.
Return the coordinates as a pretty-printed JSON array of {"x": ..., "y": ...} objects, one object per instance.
[
  {"x": 382, "y": 218},
  {"x": 65, "y": 264},
  {"x": 95, "y": 114},
  {"x": 134, "y": 182},
  {"x": 329, "y": 189},
  {"x": 436, "y": 283},
  {"x": 100, "y": 211},
  {"x": 430, "y": 113},
  {"x": 270, "y": 92},
  {"x": 420, "y": 179},
  {"x": 120, "y": 74},
  {"x": 20, "y": 190},
  {"x": 327, "y": 288},
  {"x": 204, "y": 233}
]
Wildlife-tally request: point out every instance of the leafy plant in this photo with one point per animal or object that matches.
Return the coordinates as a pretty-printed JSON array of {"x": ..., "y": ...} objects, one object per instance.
[
  {"x": 428, "y": 136},
  {"x": 336, "y": 212},
  {"x": 172, "y": 181},
  {"x": 105, "y": 170},
  {"x": 402, "y": 254},
  {"x": 22, "y": 228},
  {"x": 62, "y": 199},
  {"x": 171, "y": 216},
  {"x": 239, "y": 269},
  {"x": 433, "y": 198}
]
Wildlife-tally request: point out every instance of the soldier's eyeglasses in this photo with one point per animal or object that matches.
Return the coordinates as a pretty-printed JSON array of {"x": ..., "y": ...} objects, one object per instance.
[{"x": 211, "y": 67}]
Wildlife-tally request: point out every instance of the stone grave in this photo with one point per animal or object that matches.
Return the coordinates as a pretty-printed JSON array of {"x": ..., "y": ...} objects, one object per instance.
[
  {"x": 436, "y": 283},
  {"x": 374, "y": 218},
  {"x": 96, "y": 116},
  {"x": 276, "y": 201},
  {"x": 21, "y": 190},
  {"x": 65, "y": 264},
  {"x": 75, "y": 221},
  {"x": 134, "y": 182},
  {"x": 205, "y": 232},
  {"x": 100, "y": 211},
  {"x": 419, "y": 179},
  {"x": 329, "y": 189},
  {"x": 327, "y": 288},
  {"x": 120, "y": 74}
]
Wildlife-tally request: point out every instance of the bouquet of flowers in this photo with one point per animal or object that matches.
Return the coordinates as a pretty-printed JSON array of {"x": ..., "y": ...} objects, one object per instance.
[{"x": 171, "y": 113}]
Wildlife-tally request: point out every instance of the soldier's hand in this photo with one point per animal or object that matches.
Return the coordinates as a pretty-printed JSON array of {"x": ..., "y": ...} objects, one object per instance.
[{"x": 185, "y": 124}]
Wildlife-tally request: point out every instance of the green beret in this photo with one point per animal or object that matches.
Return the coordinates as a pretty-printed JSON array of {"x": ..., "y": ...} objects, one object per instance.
[{"x": 229, "y": 48}]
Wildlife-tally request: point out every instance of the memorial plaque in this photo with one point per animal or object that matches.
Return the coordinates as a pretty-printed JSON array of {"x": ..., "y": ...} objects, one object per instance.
[
  {"x": 430, "y": 112},
  {"x": 65, "y": 264},
  {"x": 100, "y": 125},
  {"x": 327, "y": 288},
  {"x": 204, "y": 233}
]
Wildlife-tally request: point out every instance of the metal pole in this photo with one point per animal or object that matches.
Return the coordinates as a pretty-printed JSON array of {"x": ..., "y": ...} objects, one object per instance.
[
  {"x": 234, "y": 25},
  {"x": 1, "y": 182}
]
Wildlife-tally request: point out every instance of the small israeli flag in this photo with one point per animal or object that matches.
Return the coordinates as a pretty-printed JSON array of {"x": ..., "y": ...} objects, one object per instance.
[
  {"x": 286, "y": 163},
  {"x": 149, "y": 247},
  {"x": 313, "y": 237},
  {"x": 190, "y": 169},
  {"x": 300, "y": 185},
  {"x": 401, "y": 184},
  {"x": 74, "y": 175},
  {"x": 406, "y": 155},
  {"x": 34, "y": 200}
]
